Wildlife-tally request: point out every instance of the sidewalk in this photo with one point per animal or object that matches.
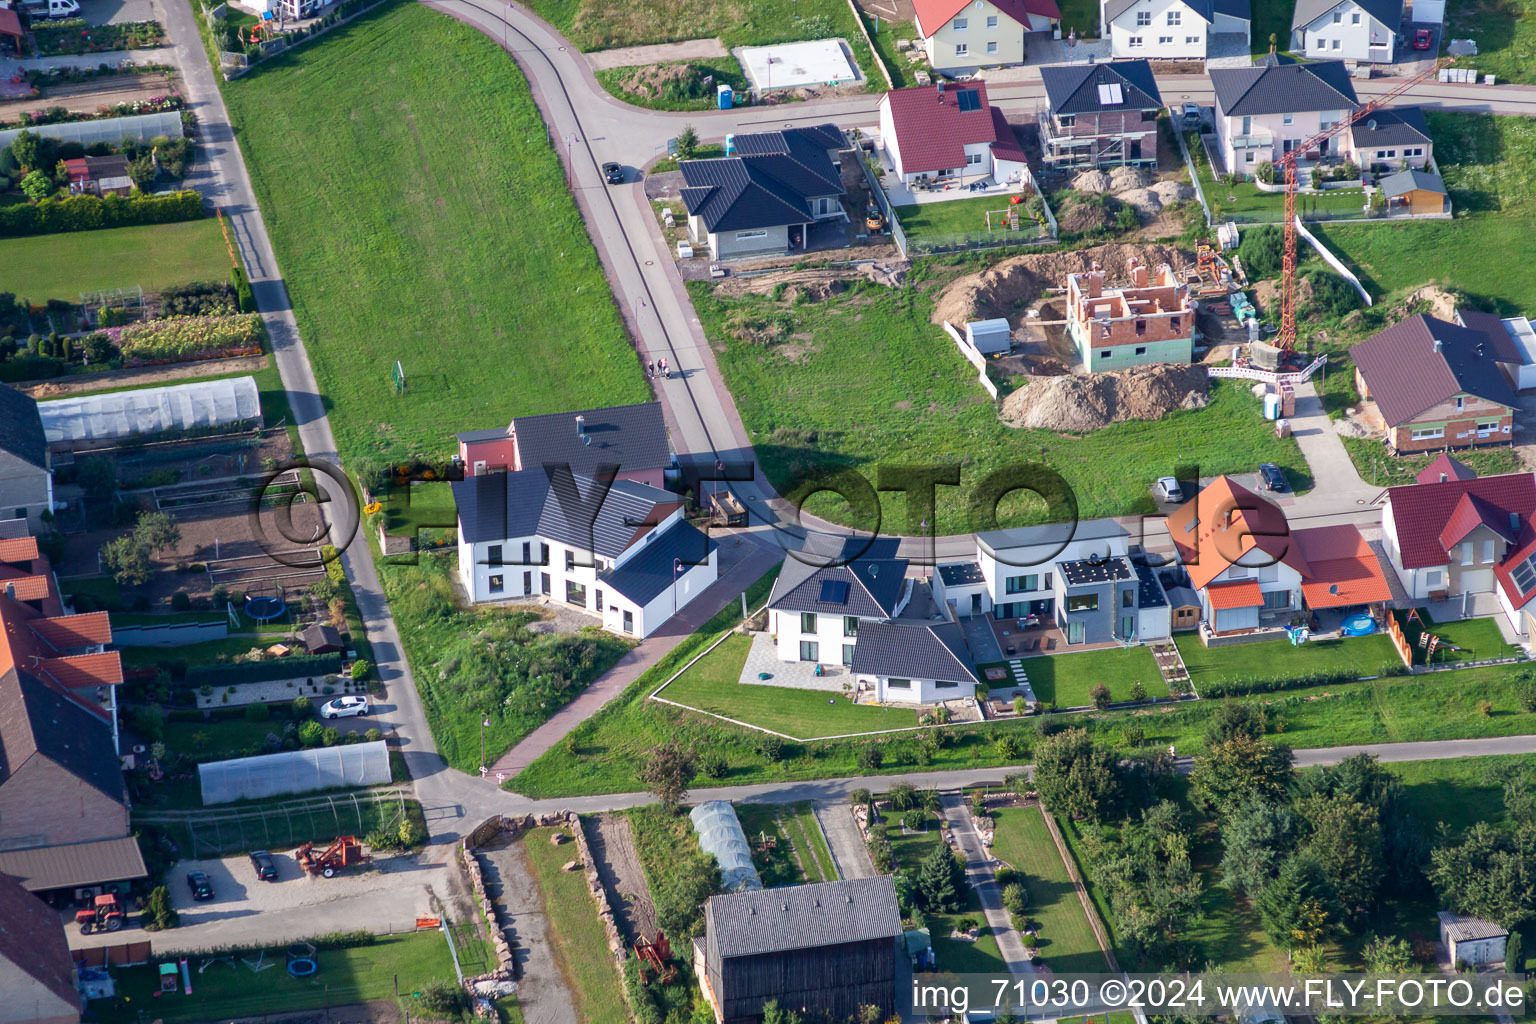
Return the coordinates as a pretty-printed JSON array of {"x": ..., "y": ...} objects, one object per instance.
[
  {"x": 1334, "y": 478},
  {"x": 979, "y": 872}
]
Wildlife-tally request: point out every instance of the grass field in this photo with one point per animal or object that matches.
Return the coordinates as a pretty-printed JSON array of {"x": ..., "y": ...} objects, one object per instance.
[
  {"x": 1278, "y": 659},
  {"x": 1067, "y": 680},
  {"x": 959, "y": 216},
  {"x": 1243, "y": 200},
  {"x": 725, "y": 71},
  {"x": 1477, "y": 639},
  {"x": 879, "y": 383},
  {"x": 1460, "y": 791},
  {"x": 580, "y": 945},
  {"x": 61, "y": 266},
  {"x": 810, "y": 844},
  {"x": 713, "y": 685},
  {"x": 800, "y": 853},
  {"x": 1081, "y": 15},
  {"x": 1505, "y": 31},
  {"x": 354, "y": 975},
  {"x": 421, "y": 215},
  {"x": 1066, "y": 940},
  {"x": 955, "y": 956},
  {"x": 885, "y": 36}
]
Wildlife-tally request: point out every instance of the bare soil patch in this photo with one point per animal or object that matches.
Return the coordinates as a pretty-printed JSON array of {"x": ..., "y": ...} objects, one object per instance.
[
  {"x": 87, "y": 96},
  {"x": 1091, "y": 401},
  {"x": 140, "y": 375},
  {"x": 618, "y": 868}
]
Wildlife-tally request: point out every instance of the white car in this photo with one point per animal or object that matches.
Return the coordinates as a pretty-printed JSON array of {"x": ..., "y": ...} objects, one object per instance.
[
  {"x": 344, "y": 707},
  {"x": 1168, "y": 489}
]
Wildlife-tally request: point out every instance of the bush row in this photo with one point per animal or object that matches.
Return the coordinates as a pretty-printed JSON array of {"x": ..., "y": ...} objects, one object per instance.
[
  {"x": 1245, "y": 685},
  {"x": 87, "y": 213},
  {"x": 292, "y": 667}
]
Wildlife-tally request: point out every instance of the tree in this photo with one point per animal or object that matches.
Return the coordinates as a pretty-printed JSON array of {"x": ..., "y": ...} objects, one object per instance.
[
  {"x": 774, "y": 1014},
  {"x": 1295, "y": 908},
  {"x": 37, "y": 185},
  {"x": 1100, "y": 696},
  {"x": 1241, "y": 770},
  {"x": 941, "y": 881},
  {"x": 687, "y": 142},
  {"x": 1255, "y": 842},
  {"x": 32, "y": 151},
  {"x": 159, "y": 911},
  {"x": 1260, "y": 249},
  {"x": 1232, "y": 719},
  {"x": 1514, "y": 953},
  {"x": 1490, "y": 874},
  {"x": 1366, "y": 780},
  {"x": 667, "y": 769},
  {"x": 127, "y": 560},
  {"x": 1345, "y": 841},
  {"x": 97, "y": 476},
  {"x": 1075, "y": 777},
  {"x": 1386, "y": 955},
  {"x": 157, "y": 530},
  {"x": 142, "y": 171},
  {"x": 902, "y": 797}
]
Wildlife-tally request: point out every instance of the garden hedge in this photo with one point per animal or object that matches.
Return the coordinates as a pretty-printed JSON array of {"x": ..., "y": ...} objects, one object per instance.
[
  {"x": 88, "y": 213},
  {"x": 293, "y": 667},
  {"x": 1243, "y": 686}
]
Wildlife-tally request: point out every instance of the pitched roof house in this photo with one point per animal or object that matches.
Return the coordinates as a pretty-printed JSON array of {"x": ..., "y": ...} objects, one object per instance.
[
  {"x": 1175, "y": 29},
  {"x": 1100, "y": 115},
  {"x": 631, "y": 437},
  {"x": 1417, "y": 191},
  {"x": 915, "y": 662},
  {"x": 1437, "y": 385},
  {"x": 1512, "y": 341},
  {"x": 37, "y": 973},
  {"x": 99, "y": 175},
  {"x": 1391, "y": 138},
  {"x": 1361, "y": 30},
  {"x": 960, "y": 35},
  {"x": 1264, "y": 111},
  {"x": 768, "y": 194},
  {"x": 26, "y": 476},
  {"x": 949, "y": 131}
]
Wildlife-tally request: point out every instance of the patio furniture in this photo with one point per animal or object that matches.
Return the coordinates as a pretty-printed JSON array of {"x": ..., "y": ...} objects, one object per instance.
[
  {"x": 1033, "y": 645},
  {"x": 1050, "y": 643}
]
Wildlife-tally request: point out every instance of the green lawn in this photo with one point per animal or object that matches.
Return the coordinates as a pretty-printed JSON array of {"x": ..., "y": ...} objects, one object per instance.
[
  {"x": 1082, "y": 15},
  {"x": 713, "y": 685},
  {"x": 225, "y": 992},
  {"x": 811, "y": 846},
  {"x": 800, "y": 853},
  {"x": 1278, "y": 659},
  {"x": 1271, "y": 17},
  {"x": 421, "y": 215},
  {"x": 885, "y": 35},
  {"x": 1244, "y": 202},
  {"x": 61, "y": 266},
  {"x": 1460, "y": 791},
  {"x": 961, "y": 216},
  {"x": 422, "y": 505},
  {"x": 577, "y": 933},
  {"x": 1505, "y": 31},
  {"x": 1381, "y": 469},
  {"x": 878, "y": 383},
  {"x": 1066, "y": 939},
  {"x": 696, "y": 94},
  {"x": 1067, "y": 680},
  {"x": 953, "y": 955},
  {"x": 1465, "y": 640},
  {"x": 224, "y": 738},
  {"x": 1229, "y": 930},
  {"x": 206, "y": 653}
]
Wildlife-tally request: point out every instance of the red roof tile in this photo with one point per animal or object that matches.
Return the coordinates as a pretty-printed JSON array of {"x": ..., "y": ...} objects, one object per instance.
[
  {"x": 1421, "y": 512},
  {"x": 1223, "y": 524},
  {"x": 18, "y": 550},
  {"x": 83, "y": 670},
  {"x": 70, "y": 631},
  {"x": 1344, "y": 570},
  {"x": 932, "y": 131},
  {"x": 1007, "y": 145},
  {"x": 1470, "y": 513},
  {"x": 10, "y": 23},
  {"x": 932, "y": 14},
  {"x": 1237, "y": 594},
  {"x": 26, "y": 588},
  {"x": 1444, "y": 468}
]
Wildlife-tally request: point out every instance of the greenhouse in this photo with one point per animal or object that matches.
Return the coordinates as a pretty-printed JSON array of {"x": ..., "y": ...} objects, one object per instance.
[
  {"x": 294, "y": 771},
  {"x": 114, "y": 130},
  {"x": 720, "y": 834},
  {"x": 198, "y": 405}
]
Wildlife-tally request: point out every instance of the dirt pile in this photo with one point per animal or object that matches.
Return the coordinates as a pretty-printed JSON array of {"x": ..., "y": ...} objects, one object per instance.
[
  {"x": 1442, "y": 304},
  {"x": 1083, "y": 217},
  {"x": 815, "y": 285},
  {"x": 1014, "y": 283},
  {"x": 1123, "y": 179},
  {"x": 1091, "y": 181},
  {"x": 1173, "y": 192},
  {"x": 1143, "y": 200},
  {"x": 1077, "y": 404},
  {"x": 652, "y": 80}
]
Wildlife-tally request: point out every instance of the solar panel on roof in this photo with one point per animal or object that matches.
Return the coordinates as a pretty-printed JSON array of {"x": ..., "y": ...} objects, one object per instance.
[
  {"x": 968, "y": 99},
  {"x": 1110, "y": 94},
  {"x": 834, "y": 591},
  {"x": 1524, "y": 574}
]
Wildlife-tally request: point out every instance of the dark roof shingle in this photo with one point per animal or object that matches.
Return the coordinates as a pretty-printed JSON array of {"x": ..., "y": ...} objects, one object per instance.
[
  {"x": 913, "y": 650},
  {"x": 32, "y": 937},
  {"x": 507, "y": 506},
  {"x": 769, "y": 181},
  {"x": 803, "y": 916},
  {"x": 1407, "y": 373},
  {"x": 650, "y": 571},
  {"x": 21, "y": 427},
  {"x": 1411, "y": 180},
  {"x": 875, "y": 585},
  {"x": 632, "y": 437},
  {"x": 1283, "y": 89},
  {"x": 1390, "y": 126},
  {"x": 1074, "y": 88},
  {"x": 39, "y": 721}
]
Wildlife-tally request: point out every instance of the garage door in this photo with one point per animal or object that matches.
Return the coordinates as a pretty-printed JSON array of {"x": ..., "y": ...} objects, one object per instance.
[
  {"x": 1479, "y": 582},
  {"x": 1428, "y": 12}
]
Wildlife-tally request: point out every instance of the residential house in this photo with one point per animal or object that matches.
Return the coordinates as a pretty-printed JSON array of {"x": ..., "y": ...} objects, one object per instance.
[
  {"x": 768, "y": 195},
  {"x": 1416, "y": 192},
  {"x": 1175, "y": 29},
  {"x": 26, "y": 473},
  {"x": 913, "y": 662},
  {"x": 1265, "y": 111},
  {"x": 1437, "y": 385},
  {"x": 1472, "y": 940},
  {"x": 1512, "y": 341},
  {"x": 827, "y": 949},
  {"x": 949, "y": 131},
  {"x": 1251, "y": 569},
  {"x": 818, "y": 607},
  {"x": 1100, "y": 115},
  {"x": 1391, "y": 139},
  {"x": 962, "y": 35},
  {"x": 1151, "y": 320},
  {"x": 37, "y": 972},
  {"x": 630, "y": 437},
  {"x": 624, "y": 553},
  {"x": 99, "y": 176},
  {"x": 1359, "y": 30}
]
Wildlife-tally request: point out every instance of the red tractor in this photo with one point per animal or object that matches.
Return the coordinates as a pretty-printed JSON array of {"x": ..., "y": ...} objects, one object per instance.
[
  {"x": 106, "y": 914},
  {"x": 343, "y": 853}
]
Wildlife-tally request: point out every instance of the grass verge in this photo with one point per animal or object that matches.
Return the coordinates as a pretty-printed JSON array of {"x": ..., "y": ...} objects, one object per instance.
[
  {"x": 580, "y": 945},
  {"x": 689, "y": 92},
  {"x": 1068, "y": 680},
  {"x": 1065, "y": 939}
]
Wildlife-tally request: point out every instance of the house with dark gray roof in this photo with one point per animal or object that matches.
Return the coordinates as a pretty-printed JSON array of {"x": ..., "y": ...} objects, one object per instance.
[
  {"x": 620, "y": 550},
  {"x": 822, "y": 599},
  {"x": 1265, "y": 111},
  {"x": 26, "y": 474},
  {"x": 824, "y": 949},
  {"x": 1438, "y": 386},
  {"x": 767, "y": 194},
  {"x": 1175, "y": 29},
  {"x": 1100, "y": 115},
  {"x": 631, "y": 438},
  {"x": 1391, "y": 139},
  {"x": 914, "y": 662},
  {"x": 37, "y": 972},
  {"x": 1359, "y": 30}
]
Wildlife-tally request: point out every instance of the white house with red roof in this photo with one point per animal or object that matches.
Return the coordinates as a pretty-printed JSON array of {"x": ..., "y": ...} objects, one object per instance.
[
  {"x": 961, "y": 35},
  {"x": 949, "y": 131}
]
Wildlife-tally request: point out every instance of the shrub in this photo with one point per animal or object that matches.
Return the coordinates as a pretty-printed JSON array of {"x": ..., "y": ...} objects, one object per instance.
[
  {"x": 1261, "y": 251},
  {"x": 1266, "y": 173},
  {"x": 770, "y": 747},
  {"x": 861, "y": 796},
  {"x": 158, "y": 912},
  {"x": 1138, "y": 691},
  {"x": 713, "y": 765},
  {"x": 915, "y": 820},
  {"x": 88, "y": 213},
  {"x": 1332, "y": 295},
  {"x": 1126, "y": 218},
  {"x": 1527, "y": 695},
  {"x": 1100, "y": 696},
  {"x": 870, "y": 757},
  {"x": 181, "y": 601},
  {"x": 1005, "y": 877},
  {"x": 331, "y": 736},
  {"x": 244, "y": 298},
  {"x": 880, "y": 856},
  {"x": 256, "y": 712},
  {"x": 1015, "y": 898},
  {"x": 1010, "y": 746},
  {"x": 1020, "y": 706},
  {"x": 444, "y": 999},
  {"x": 902, "y": 797},
  {"x": 411, "y": 832},
  {"x": 301, "y": 706},
  {"x": 311, "y": 733},
  {"x": 362, "y": 669}
]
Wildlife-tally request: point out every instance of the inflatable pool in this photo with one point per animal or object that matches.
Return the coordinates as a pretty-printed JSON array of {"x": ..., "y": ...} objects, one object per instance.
[{"x": 1359, "y": 625}]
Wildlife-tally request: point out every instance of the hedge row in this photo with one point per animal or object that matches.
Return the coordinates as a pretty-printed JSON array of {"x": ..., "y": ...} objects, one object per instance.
[
  {"x": 293, "y": 667},
  {"x": 87, "y": 213},
  {"x": 31, "y": 368},
  {"x": 1243, "y": 686}
]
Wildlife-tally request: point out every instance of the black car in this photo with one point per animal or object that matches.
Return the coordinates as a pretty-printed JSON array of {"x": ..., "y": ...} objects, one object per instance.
[
  {"x": 1273, "y": 476},
  {"x": 613, "y": 174},
  {"x": 266, "y": 867},
  {"x": 202, "y": 888}
]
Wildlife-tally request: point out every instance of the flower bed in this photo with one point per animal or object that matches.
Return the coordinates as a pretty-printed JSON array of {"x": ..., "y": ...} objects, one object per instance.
[
  {"x": 62, "y": 115},
  {"x": 73, "y": 36},
  {"x": 183, "y": 338}
]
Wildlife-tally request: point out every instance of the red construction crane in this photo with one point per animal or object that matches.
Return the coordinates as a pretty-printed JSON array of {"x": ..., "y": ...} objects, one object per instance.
[{"x": 1287, "y": 339}]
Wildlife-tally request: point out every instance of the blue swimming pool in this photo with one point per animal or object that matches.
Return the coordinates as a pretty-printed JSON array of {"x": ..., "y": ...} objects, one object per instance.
[{"x": 1359, "y": 625}]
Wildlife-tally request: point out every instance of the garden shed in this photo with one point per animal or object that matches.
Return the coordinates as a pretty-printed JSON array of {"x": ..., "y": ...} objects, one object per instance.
[
  {"x": 198, "y": 405},
  {"x": 294, "y": 771},
  {"x": 1471, "y": 940},
  {"x": 989, "y": 337},
  {"x": 720, "y": 834}
]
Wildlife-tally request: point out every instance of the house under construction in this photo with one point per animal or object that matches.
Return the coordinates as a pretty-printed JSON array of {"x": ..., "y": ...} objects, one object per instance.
[
  {"x": 1150, "y": 321},
  {"x": 1099, "y": 115}
]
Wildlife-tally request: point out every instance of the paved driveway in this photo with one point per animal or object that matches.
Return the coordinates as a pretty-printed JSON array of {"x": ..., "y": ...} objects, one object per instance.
[{"x": 116, "y": 12}]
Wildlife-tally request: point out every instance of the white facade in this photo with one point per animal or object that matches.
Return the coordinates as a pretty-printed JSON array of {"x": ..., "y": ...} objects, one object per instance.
[
  {"x": 1347, "y": 32},
  {"x": 1024, "y": 573},
  {"x": 1154, "y": 623},
  {"x": 830, "y": 639},
  {"x": 893, "y": 690},
  {"x": 625, "y": 617},
  {"x": 1157, "y": 30},
  {"x": 1279, "y": 583},
  {"x": 978, "y": 35}
]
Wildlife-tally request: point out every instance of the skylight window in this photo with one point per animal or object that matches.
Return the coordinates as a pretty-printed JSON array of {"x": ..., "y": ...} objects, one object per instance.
[
  {"x": 834, "y": 591},
  {"x": 1110, "y": 95},
  {"x": 968, "y": 99}
]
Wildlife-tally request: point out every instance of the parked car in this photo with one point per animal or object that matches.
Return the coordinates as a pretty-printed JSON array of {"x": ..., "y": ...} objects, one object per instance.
[
  {"x": 1168, "y": 489},
  {"x": 51, "y": 9},
  {"x": 201, "y": 886},
  {"x": 266, "y": 867},
  {"x": 1273, "y": 476},
  {"x": 344, "y": 707},
  {"x": 1423, "y": 39},
  {"x": 613, "y": 174},
  {"x": 1190, "y": 111}
]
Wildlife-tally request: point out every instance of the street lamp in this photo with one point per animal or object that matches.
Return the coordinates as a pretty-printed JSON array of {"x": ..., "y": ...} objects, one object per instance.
[{"x": 485, "y": 724}]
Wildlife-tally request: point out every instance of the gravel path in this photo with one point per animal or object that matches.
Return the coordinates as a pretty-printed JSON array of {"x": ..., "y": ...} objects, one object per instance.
[
  {"x": 542, "y": 993},
  {"x": 638, "y": 56}
]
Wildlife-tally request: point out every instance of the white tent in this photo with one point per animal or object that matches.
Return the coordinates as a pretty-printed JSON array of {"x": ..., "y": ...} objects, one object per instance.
[
  {"x": 720, "y": 834},
  {"x": 294, "y": 771},
  {"x": 209, "y": 403}
]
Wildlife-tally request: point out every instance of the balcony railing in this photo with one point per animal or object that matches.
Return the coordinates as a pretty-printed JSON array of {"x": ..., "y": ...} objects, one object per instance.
[{"x": 1265, "y": 141}]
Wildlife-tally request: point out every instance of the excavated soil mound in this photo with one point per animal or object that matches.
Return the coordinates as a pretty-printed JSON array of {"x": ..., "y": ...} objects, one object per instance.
[
  {"x": 1091, "y": 181},
  {"x": 1173, "y": 192},
  {"x": 1085, "y": 217},
  {"x": 651, "y": 80},
  {"x": 1078, "y": 404},
  {"x": 1122, "y": 179},
  {"x": 1001, "y": 290},
  {"x": 1143, "y": 200}
]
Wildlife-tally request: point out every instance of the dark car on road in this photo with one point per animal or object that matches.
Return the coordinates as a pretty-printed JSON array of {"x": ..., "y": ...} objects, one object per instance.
[
  {"x": 201, "y": 886},
  {"x": 266, "y": 867},
  {"x": 613, "y": 174},
  {"x": 1273, "y": 476}
]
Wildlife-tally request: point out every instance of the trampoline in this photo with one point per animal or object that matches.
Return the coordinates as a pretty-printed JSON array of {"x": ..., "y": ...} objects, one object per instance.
[
  {"x": 265, "y": 609},
  {"x": 302, "y": 966},
  {"x": 1359, "y": 625}
]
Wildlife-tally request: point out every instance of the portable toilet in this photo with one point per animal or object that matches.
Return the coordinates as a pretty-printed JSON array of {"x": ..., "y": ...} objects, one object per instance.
[
  {"x": 730, "y": 145},
  {"x": 1271, "y": 406},
  {"x": 723, "y": 96}
]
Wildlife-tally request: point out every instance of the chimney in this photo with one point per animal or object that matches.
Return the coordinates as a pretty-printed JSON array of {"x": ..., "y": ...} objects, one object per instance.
[
  {"x": 1138, "y": 273},
  {"x": 581, "y": 426}
]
